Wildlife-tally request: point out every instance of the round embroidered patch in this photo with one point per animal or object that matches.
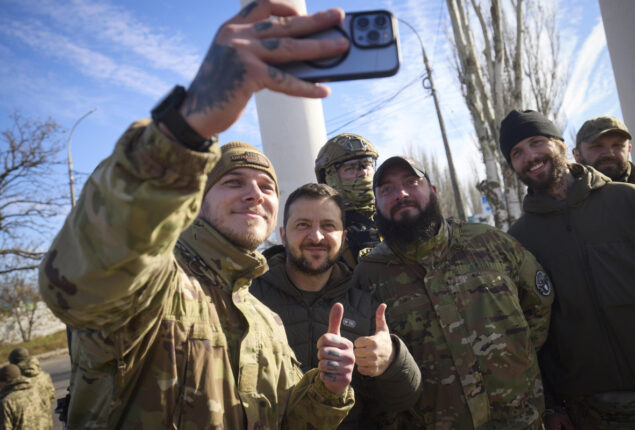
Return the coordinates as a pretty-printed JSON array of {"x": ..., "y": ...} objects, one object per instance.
[{"x": 542, "y": 283}]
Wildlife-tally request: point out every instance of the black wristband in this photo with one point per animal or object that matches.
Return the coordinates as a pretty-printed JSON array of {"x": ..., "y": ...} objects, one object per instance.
[{"x": 167, "y": 112}]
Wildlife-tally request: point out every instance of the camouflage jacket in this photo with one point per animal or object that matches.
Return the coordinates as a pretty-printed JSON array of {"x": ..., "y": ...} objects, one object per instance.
[
  {"x": 16, "y": 407},
  {"x": 167, "y": 335},
  {"x": 473, "y": 307},
  {"x": 42, "y": 383}
]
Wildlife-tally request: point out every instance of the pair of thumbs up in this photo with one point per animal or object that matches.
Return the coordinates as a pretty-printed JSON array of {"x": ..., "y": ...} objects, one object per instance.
[{"x": 337, "y": 354}]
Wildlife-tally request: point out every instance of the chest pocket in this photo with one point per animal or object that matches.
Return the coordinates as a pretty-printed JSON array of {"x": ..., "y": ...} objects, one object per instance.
[{"x": 207, "y": 394}]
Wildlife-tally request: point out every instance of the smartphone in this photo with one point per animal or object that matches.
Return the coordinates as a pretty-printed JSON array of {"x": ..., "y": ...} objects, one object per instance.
[{"x": 373, "y": 51}]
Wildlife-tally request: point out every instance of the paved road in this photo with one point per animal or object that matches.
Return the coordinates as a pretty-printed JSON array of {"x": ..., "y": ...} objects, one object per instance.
[{"x": 59, "y": 366}]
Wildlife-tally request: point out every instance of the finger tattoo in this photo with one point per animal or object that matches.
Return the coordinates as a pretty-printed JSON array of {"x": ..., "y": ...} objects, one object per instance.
[
  {"x": 331, "y": 376},
  {"x": 270, "y": 44},
  {"x": 278, "y": 75},
  {"x": 262, "y": 26},
  {"x": 333, "y": 353},
  {"x": 332, "y": 365},
  {"x": 248, "y": 9}
]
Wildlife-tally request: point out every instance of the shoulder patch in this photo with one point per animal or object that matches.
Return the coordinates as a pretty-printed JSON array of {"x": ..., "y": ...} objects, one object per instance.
[{"x": 543, "y": 285}]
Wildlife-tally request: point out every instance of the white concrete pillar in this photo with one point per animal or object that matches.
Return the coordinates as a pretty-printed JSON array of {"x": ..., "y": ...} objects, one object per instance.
[
  {"x": 292, "y": 130},
  {"x": 618, "y": 17}
]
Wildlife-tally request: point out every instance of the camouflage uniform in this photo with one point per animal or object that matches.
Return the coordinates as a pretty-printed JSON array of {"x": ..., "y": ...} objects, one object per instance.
[
  {"x": 473, "y": 307},
  {"x": 16, "y": 407},
  {"x": 170, "y": 339},
  {"x": 357, "y": 193},
  {"x": 42, "y": 383}
]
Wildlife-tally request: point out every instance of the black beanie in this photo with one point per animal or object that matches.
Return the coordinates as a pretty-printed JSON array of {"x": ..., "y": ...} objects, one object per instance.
[{"x": 517, "y": 126}]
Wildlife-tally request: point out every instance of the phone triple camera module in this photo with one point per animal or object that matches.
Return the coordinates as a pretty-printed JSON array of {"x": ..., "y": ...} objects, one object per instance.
[{"x": 371, "y": 29}]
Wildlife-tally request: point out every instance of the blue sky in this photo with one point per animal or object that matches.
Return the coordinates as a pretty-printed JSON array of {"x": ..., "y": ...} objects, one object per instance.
[{"x": 61, "y": 58}]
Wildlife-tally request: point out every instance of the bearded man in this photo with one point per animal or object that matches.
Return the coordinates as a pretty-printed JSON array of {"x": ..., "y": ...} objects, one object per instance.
[
  {"x": 469, "y": 301},
  {"x": 306, "y": 277},
  {"x": 579, "y": 225}
]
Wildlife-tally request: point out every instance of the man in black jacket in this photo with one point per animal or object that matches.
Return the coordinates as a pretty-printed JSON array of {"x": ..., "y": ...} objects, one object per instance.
[
  {"x": 579, "y": 225},
  {"x": 306, "y": 278}
]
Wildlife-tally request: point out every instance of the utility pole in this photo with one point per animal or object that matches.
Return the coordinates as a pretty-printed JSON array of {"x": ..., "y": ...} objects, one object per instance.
[
  {"x": 71, "y": 178},
  {"x": 428, "y": 84}
]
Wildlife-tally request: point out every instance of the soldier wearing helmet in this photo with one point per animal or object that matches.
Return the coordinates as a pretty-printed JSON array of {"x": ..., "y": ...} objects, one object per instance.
[{"x": 347, "y": 163}]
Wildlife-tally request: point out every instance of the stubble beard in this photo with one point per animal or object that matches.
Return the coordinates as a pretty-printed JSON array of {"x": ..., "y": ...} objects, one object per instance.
[
  {"x": 423, "y": 226},
  {"x": 614, "y": 171},
  {"x": 304, "y": 265}
]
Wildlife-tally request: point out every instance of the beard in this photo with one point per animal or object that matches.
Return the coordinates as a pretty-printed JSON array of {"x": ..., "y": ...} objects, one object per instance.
[
  {"x": 559, "y": 167},
  {"x": 613, "y": 171},
  {"x": 423, "y": 226},
  {"x": 301, "y": 263}
]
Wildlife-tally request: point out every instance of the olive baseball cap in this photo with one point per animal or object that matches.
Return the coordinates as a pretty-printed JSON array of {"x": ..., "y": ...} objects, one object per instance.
[
  {"x": 240, "y": 154},
  {"x": 415, "y": 168},
  {"x": 596, "y": 127}
]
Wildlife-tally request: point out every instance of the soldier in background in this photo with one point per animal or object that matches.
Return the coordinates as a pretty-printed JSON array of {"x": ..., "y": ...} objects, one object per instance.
[
  {"x": 469, "y": 301},
  {"x": 604, "y": 144},
  {"x": 579, "y": 225},
  {"x": 152, "y": 267},
  {"x": 41, "y": 380},
  {"x": 306, "y": 277},
  {"x": 347, "y": 163},
  {"x": 17, "y": 396}
]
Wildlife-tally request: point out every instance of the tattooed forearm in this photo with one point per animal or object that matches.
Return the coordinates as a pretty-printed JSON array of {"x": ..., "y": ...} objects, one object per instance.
[
  {"x": 270, "y": 44},
  {"x": 278, "y": 75},
  {"x": 220, "y": 75},
  {"x": 262, "y": 26},
  {"x": 248, "y": 9}
]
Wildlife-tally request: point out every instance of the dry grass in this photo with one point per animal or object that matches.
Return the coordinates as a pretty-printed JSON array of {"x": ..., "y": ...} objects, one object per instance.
[{"x": 37, "y": 346}]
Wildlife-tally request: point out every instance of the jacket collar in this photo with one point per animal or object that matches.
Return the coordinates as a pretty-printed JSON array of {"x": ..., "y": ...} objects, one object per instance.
[
  {"x": 278, "y": 278},
  {"x": 586, "y": 180},
  {"x": 428, "y": 252},
  {"x": 627, "y": 173},
  {"x": 236, "y": 267}
]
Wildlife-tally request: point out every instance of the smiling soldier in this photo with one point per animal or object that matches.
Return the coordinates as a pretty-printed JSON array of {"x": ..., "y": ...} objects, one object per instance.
[{"x": 579, "y": 225}]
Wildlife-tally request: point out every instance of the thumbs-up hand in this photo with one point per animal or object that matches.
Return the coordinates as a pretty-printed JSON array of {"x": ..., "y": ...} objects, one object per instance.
[
  {"x": 374, "y": 354},
  {"x": 335, "y": 354}
]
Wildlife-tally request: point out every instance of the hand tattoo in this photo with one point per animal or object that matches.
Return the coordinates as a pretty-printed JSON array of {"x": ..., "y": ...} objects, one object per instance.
[
  {"x": 248, "y": 9},
  {"x": 221, "y": 73},
  {"x": 270, "y": 44},
  {"x": 278, "y": 75},
  {"x": 262, "y": 26}
]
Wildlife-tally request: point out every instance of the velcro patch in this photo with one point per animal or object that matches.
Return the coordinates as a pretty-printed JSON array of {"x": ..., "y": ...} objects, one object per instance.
[
  {"x": 249, "y": 157},
  {"x": 542, "y": 283}
]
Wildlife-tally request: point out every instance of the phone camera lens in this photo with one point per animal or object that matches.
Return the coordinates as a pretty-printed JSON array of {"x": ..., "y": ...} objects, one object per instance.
[
  {"x": 381, "y": 21},
  {"x": 363, "y": 22},
  {"x": 373, "y": 35}
]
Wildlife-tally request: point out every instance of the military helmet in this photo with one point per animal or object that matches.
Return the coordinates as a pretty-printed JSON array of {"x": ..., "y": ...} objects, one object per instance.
[
  {"x": 345, "y": 146},
  {"x": 18, "y": 355}
]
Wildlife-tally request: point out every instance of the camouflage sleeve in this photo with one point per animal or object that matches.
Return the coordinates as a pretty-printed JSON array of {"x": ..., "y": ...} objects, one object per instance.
[
  {"x": 6, "y": 416},
  {"x": 313, "y": 406},
  {"x": 536, "y": 295},
  {"x": 114, "y": 252}
]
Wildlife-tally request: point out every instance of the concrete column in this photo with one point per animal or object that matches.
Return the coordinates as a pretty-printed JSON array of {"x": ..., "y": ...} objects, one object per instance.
[
  {"x": 618, "y": 17},
  {"x": 292, "y": 130}
]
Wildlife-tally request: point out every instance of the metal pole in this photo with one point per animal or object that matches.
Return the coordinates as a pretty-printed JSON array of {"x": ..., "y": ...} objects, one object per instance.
[
  {"x": 71, "y": 178},
  {"x": 458, "y": 200}
]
